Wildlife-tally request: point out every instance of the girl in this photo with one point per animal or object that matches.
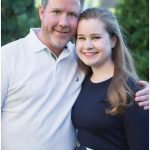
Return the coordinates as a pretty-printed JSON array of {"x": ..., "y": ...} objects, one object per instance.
[{"x": 105, "y": 114}]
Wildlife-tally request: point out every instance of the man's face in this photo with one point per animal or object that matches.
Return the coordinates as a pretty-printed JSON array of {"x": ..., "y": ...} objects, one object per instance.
[{"x": 59, "y": 22}]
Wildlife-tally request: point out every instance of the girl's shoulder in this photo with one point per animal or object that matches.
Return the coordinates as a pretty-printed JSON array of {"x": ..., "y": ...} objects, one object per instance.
[{"x": 133, "y": 84}]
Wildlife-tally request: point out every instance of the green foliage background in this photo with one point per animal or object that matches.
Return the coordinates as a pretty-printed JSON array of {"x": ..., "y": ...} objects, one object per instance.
[
  {"x": 17, "y": 16},
  {"x": 133, "y": 15}
]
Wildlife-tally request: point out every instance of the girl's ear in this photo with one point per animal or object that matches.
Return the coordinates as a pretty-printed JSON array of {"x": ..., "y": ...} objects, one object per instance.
[{"x": 113, "y": 41}]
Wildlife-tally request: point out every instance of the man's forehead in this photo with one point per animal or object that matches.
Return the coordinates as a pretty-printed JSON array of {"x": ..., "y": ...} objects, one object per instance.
[{"x": 72, "y": 4}]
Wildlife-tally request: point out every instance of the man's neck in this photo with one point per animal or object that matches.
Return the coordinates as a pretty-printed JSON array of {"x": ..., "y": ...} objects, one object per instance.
[{"x": 56, "y": 51}]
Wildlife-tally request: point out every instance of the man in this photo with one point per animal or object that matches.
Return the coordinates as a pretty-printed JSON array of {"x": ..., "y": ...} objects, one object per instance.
[{"x": 41, "y": 81}]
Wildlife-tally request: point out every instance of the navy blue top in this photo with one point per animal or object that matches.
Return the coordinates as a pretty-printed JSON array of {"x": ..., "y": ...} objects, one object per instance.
[{"x": 100, "y": 131}]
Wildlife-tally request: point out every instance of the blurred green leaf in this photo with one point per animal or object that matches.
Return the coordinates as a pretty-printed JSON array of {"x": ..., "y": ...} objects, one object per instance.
[
  {"x": 134, "y": 17},
  {"x": 17, "y": 17}
]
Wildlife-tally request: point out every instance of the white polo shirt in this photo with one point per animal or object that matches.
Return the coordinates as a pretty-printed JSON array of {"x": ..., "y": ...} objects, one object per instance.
[{"x": 38, "y": 93}]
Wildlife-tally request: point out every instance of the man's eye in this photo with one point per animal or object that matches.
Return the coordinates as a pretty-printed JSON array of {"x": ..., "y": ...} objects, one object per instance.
[
  {"x": 57, "y": 12},
  {"x": 73, "y": 15}
]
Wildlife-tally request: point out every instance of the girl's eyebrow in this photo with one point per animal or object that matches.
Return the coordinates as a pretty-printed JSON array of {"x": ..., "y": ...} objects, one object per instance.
[
  {"x": 80, "y": 34},
  {"x": 93, "y": 34}
]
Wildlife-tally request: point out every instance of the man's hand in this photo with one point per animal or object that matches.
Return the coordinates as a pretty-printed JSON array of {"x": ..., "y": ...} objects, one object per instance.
[{"x": 142, "y": 96}]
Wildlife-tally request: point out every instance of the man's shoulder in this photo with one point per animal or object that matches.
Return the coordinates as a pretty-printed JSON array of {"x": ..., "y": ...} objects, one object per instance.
[
  {"x": 133, "y": 84},
  {"x": 11, "y": 45},
  {"x": 15, "y": 46}
]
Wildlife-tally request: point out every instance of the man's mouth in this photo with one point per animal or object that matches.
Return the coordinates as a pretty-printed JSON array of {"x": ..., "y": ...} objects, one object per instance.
[{"x": 62, "y": 31}]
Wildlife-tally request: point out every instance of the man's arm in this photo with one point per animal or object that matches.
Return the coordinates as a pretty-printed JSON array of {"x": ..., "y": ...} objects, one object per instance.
[{"x": 142, "y": 96}]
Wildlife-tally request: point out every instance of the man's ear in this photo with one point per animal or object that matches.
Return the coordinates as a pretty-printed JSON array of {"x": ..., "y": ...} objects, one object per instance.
[
  {"x": 41, "y": 12},
  {"x": 113, "y": 41}
]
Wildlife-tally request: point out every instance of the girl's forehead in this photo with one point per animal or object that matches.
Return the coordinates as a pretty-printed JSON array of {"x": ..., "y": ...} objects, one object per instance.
[
  {"x": 91, "y": 23},
  {"x": 90, "y": 27}
]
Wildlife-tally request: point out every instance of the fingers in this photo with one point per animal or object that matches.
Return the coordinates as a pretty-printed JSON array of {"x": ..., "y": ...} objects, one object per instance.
[
  {"x": 146, "y": 108},
  {"x": 142, "y": 98},
  {"x": 144, "y": 91},
  {"x": 143, "y": 83},
  {"x": 144, "y": 104}
]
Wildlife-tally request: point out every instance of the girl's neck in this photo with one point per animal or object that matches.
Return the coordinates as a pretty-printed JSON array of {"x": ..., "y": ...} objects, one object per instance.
[{"x": 102, "y": 73}]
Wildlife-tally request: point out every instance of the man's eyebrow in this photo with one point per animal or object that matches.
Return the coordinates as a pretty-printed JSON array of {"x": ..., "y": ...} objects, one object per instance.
[
  {"x": 75, "y": 11},
  {"x": 94, "y": 34},
  {"x": 55, "y": 9},
  {"x": 78, "y": 12}
]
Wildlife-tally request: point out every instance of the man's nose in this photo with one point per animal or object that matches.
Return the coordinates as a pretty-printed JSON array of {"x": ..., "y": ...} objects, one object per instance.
[{"x": 63, "y": 20}]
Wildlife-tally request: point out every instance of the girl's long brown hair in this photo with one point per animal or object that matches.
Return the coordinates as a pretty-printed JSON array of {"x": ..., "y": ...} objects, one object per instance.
[{"x": 124, "y": 69}]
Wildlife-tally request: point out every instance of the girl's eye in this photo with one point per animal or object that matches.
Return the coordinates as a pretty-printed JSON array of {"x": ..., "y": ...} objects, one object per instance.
[
  {"x": 80, "y": 38},
  {"x": 96, "y": 37}
]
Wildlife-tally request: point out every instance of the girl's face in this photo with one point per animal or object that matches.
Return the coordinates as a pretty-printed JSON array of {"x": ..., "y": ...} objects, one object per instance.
[{"x": 94, "y": 45}]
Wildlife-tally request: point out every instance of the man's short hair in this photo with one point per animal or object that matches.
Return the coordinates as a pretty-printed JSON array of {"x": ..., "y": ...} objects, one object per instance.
[{"x": 45, "y": 2}]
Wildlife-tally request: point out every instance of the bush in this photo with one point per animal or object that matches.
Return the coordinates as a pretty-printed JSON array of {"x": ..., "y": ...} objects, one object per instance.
[
  {"x": 133, "y": 15},
  {"x": 17, "y": 18}
]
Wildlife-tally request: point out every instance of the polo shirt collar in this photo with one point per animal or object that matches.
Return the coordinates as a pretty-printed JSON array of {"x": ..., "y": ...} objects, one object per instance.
[{"x": 35, "y": 43}]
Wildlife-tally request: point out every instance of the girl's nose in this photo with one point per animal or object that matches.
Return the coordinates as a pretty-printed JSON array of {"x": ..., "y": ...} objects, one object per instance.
[{"x": 89, "y": 45}]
